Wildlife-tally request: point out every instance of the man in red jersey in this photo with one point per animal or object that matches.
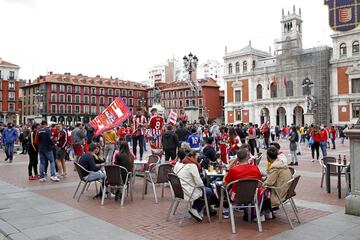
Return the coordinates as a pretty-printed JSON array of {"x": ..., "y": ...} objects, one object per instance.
[
  {"x": 139, "y": 123},
  {"x": 156, "y": 129}
]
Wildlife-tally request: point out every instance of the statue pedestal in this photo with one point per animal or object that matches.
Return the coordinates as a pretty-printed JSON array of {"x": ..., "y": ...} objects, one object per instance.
[
  {"x": 352, "y": 202},
  {"x": 192, "y": 113},
  {"x": 308, "y": 118}
]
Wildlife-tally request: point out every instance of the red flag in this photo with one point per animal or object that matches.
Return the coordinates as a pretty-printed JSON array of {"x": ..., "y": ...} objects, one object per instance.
[
  {"x": 284, "y": 80},
  {"x": 172, "y": 118},
  {"x": 115, "y": 114},
  {"x": 275, "y": 80}
]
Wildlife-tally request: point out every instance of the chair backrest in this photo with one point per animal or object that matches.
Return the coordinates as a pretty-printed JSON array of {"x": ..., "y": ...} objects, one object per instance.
[
  {"x": 325, "y": 160},
  {"x": 291, "y": 191},
  {"x": 293, "y": 171},
  {"x": 246, "y": 189},
  {"x": 258, "y": 159},
  {"x": 152, "y": 161},
  {"x": 114, "y": 175},
  {"x": 80, "y": 170},
  {"x": 163, "y": 171},
  {"x": 176, "y": 185}
]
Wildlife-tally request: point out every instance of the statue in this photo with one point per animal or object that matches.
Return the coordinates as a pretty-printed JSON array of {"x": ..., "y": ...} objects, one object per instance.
[{"x": 157, "y": 96}]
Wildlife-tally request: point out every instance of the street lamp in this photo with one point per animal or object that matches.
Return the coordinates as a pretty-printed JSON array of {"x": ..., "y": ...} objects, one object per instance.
[
  {"x": 38, "y": 96},
  {"x": 190, "y": 63},
  {"x": 307, "y": 84}
]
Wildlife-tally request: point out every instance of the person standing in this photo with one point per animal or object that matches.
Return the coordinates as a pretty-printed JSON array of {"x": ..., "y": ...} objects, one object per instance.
[
  {"x": 139, "y": 123},
  {"x": 314, "y": 142},
  {"x": 61, "y": 145},
  {"x": 46, "y": 146},
  {"x": 333, "y": 136},
  {"x": 170, "y": 143},
  {"x": 182, "y": 133},
  {"x": 194, "y": 140},
  {"x": 9, "y": 136},
  {"x": 78, "y": 141},
  {"x": 240, "y": 132},
  {"x": 110, "y": 140},
  {"x": 33, "y": 152},
  {"x": 294, "y": 138},
  {"x": 323, "y": 140},
  {"x": 252, "y": 138},
  {"x": 156, "y": 125}
]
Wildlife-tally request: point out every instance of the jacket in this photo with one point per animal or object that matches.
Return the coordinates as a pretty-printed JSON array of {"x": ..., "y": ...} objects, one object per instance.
[
  {"x": 78, "y": 136},
  {"x": 182, "y": 134},
  {"x": 9, "y": 135},
  {"x": 169, "y": 141},
  {"x": 278, "y": 174},
  {"x": 189, "y": 178}
]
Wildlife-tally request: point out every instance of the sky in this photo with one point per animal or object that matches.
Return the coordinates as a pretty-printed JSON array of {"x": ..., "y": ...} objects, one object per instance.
[{"x": 125, "y": 38}]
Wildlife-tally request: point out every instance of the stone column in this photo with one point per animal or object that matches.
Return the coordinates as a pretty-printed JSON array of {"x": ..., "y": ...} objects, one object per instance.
[
  {"x": 5, "y": 114},
  {"x": 352, "y": 202},
  {"x": 17, "y": 119},
  {"x": 82, "y": 119}
]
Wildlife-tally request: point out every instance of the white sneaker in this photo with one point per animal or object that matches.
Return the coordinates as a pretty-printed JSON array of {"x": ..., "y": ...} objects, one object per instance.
[
  {"x": 42, "y": 180},
  {"x": 195, "y": 214},
  {"x": 55, "y": 179},
  {"x": 262, "y": 218},
  {"x": 268, "y": 215}
]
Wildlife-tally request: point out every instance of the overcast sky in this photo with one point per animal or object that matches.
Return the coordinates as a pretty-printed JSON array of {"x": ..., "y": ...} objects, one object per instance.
[{"x": 124, "y": 38}]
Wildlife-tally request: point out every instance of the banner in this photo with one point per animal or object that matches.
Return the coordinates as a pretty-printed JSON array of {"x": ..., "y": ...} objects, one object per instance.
[
  {"x": 172, "y": 118},
  {"x": 114, "y": 115}
]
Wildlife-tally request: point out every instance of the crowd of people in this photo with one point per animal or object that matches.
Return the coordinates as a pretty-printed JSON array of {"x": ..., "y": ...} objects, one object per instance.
[{"x": 191, "y": 148}]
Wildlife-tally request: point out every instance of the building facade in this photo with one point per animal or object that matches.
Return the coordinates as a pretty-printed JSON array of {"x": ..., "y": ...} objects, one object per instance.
[
  {"x": 264, "y": 87},
  {"x": 70, "y": 98},
  {"x": 10, "y": 105},
  {"x": 212, "y": 69},
  {"x": 179, "y": 96},
  {"x": 345, "y": 78}
]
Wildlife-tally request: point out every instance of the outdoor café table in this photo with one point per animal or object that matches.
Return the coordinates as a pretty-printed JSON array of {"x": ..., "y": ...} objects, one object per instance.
[
  {"x": 138, "y": 164},
  {"x": 339, "y": 166},
  {"x": 214, "y": 174}
]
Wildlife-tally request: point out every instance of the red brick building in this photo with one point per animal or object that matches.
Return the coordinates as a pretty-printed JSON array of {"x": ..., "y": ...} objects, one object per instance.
[
  {"x": 10, "y": 106},
  {"x": 179, "y": 96},
  {"x": 70, "y": 98}
]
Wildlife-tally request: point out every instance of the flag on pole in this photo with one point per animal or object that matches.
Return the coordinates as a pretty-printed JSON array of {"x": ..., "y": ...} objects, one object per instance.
[
  {"x": 268, "y": 80},
  {"x": 114, "y": 115},
  {"x": 172, "y": 118},
  {"x": 284, "y": 80},
  {"x": 275, "y": 80}
]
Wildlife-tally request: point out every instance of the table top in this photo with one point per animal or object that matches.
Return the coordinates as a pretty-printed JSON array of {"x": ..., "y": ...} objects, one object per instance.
[
  {"x": 214, "y": 173},
  {"x": 140, "y": 162},
  {"x": 337, "y": 164}
]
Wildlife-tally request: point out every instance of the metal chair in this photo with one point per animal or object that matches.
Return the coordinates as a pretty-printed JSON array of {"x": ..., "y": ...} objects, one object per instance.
[
  {"x": 293, "y": 171},
  {"x": 258, "y": 159},
  {"x": 246, "y": 195},
  {"x": 291, "y": 184},
  {"x": 114, "y": 179},
  {"x": 157, "y": 175},
  {"x": 82, "y": 173},
  {"x": 178, "y": 195},
  {"x": 333, "y": 169}
]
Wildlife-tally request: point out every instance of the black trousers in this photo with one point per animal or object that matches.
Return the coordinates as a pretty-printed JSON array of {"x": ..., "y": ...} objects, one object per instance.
[
  {"x": 170, "y": 154},
  {"x": 315, "y": 147},
  {"x": 33, "y": 162},
  {"x": 24, "y": 144},
  {"x": 141, "y": 140},
  {"x": 252, "y": 143}
]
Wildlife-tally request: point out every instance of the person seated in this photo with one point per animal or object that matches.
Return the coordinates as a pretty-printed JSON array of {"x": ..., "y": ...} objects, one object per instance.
[
  {"x": 191, "y": 181},
  {"x": 208, "y": 153},
  {"x": 239, "y": 169},
  {"x": 125, "y": 159},
  {"x": 251, "y": 158},
  {"x": 278, "y": 174},
  {"x": 281, "y": 156}
]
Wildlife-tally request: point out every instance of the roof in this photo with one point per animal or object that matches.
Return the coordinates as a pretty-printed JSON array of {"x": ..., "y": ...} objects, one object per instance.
[
  {"x": 4, "y": 63},
  {"x": 248, "y": 50},
  {"x": 82, "y": 80},
  {"x": 205, "y": 82}
]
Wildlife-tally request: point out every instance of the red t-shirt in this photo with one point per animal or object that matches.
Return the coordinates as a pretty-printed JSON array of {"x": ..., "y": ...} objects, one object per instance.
[
  {"x": 241, "y": 172},
  {"x": 323, "y": 135},
  {"x": 122, "y": 132}
]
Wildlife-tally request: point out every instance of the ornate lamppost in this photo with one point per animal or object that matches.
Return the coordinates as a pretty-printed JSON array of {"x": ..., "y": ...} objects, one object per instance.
[
  {"x": 190, "y": 64},
  {"x": 307, "y": 85}
]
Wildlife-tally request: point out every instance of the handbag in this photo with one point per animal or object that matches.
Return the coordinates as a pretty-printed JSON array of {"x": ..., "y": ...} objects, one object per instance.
[{"x": 311, "y": 141}]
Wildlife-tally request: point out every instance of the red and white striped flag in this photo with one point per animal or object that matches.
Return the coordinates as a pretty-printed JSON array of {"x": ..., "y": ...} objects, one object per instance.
[
  {"x": 172, "y": 119},
  {"x": 284, "y": 80},
  {"x": 275, "y": 80}
]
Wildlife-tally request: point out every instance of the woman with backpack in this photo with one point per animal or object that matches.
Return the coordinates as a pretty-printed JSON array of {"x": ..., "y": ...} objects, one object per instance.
[{"x": 294, "y": 138}]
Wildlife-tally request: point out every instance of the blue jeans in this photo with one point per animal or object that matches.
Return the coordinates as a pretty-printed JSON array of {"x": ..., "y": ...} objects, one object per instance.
[
  {"x": 141, "y": 140},
  {"x": 199, "y": 204},
  {"x": 333, "y": 143},
  {"x": 46, "y": 157},
  {"x": 9, "y": 151},
  {"x": 323, "y": 146}
]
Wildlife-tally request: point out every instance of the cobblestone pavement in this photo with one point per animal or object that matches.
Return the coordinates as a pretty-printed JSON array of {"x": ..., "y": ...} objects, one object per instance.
[{"x": 147, "y": 219}]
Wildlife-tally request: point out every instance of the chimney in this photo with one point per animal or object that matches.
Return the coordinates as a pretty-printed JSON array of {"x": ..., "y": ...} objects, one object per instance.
[
  {"x": 97, "y": 76},
  {"x": 294, "y": 9},
  {"x": 225, "y": 49},
  {"x": 300, "y": 11},
  {"x": 283, "y": 13},
  {"x": 250, "y": 43}
]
